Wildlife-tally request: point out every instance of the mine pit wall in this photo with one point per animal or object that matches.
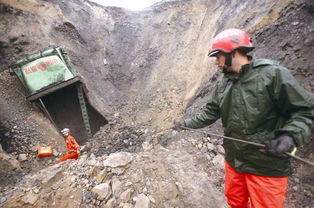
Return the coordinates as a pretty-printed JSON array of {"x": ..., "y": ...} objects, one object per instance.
[
  {"x": 290, "y": 40},
  {"x": 164, "y": 57},
  {"x": 153, "y": 62}
]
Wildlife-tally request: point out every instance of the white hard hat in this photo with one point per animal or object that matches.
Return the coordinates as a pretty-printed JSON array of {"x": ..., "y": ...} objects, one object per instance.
[{"x": 65, "y": 131}]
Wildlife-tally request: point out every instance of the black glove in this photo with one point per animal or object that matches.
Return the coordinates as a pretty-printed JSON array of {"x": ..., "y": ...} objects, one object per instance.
[
  {"x": 178, "y": 125},
  {"x": 281, "y": 144}
]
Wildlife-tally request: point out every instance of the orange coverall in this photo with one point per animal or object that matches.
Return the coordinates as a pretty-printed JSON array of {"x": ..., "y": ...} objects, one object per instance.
[
  {"x": 244, "y": 190},
  {"x": 73, "y": 149}
]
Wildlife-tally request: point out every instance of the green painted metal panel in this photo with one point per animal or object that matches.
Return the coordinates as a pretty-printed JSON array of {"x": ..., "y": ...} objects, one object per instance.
[
  {"x": 43, "y": 69},
  {"x": 43, "y": 72}
]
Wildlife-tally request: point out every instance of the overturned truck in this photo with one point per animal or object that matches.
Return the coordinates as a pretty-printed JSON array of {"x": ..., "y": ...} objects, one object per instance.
[{"x": 52, "y": 84}]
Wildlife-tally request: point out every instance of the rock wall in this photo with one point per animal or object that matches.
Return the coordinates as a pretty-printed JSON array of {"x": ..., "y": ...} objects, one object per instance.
[{"x": 158, "y": 54}]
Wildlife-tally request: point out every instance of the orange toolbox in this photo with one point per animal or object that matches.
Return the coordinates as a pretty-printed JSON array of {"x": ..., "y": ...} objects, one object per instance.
[{"x": 44, "y": 151}]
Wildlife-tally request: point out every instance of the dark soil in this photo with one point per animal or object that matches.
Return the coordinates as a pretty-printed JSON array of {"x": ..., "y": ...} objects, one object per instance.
[{"x": 116, "y": 139}]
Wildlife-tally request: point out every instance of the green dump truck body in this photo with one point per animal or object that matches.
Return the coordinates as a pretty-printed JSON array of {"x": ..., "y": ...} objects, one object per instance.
[{"x": 40, "y": 70}]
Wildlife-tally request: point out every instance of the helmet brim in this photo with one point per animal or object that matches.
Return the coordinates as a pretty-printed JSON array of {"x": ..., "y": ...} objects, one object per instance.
[{"x": 213, "y": 53}]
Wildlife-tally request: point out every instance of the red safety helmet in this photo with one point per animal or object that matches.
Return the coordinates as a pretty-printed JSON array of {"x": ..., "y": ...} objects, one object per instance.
[{"x": 229, "y": 40}]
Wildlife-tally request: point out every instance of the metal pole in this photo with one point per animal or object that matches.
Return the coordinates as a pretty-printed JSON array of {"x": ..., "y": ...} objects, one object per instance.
[
  {"x": 84, "y": 110},
  {"x": 252, "y": 143},
  {"x": 47, "y": 112}
]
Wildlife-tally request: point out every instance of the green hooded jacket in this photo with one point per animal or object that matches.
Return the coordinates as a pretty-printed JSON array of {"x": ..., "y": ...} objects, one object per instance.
[{"x": 263, "y": 101}]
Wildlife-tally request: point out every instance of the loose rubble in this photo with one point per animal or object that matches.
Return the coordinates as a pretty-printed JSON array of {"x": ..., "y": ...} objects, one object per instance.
[
  {"x": 120, "y": 179},
  {"x": 109, "y": 140}
]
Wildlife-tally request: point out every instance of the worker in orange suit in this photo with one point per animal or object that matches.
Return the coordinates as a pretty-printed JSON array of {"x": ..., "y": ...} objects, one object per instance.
[{"x": 72, "y": 146}]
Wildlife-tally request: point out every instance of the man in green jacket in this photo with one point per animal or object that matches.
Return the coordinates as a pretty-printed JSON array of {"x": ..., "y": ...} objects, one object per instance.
[{"x": 257, "y": 100}]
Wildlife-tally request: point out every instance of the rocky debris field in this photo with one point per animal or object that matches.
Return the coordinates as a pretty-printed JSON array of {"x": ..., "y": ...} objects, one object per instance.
[
  {"x": 156, "y": 176},
  {"x": 21, "y": 131}
]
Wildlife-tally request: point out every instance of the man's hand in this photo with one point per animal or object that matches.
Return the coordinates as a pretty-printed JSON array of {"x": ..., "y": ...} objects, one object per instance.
[
  {"x": 280, "y": 145},
  {"x": 178, "y": 125}
]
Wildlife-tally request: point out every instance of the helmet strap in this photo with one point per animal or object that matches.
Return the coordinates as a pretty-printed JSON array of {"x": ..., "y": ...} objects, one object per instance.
[{"x": 228, "y": 62}]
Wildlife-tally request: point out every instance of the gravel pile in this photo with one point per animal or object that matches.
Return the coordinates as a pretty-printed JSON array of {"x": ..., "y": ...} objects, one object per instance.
[{"x": 109, "y": 140}]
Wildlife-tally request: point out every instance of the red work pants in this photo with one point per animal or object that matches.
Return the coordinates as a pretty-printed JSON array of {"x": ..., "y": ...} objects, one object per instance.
[
  {"x": 71, "y": 155},
  {"x": 244, "y": 190}
]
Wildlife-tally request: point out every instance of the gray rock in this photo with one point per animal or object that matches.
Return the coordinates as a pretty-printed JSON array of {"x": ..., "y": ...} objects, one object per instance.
[
  {"x": 126, "y": 195},
  {"x": 127, "y": 205},
  {"x": 36, "y": 190},
  {"x": 137, "y": 176},
  {"x": 92, "y": 160},
  {"x": 118, "y": 159},
  {"x": 118, "y": 171},
  {"x": 297, "y": 180},
  {"x": 199, "y": 146},
  {"x": 219, "y": 161},
  {"x": 204, "y": 149},
  {"x": 116, "y": 186},
  {"x": 170, "y": 190},
  {"x": 50, "y": 174},
  {"x": 142, "y": 201},
  {"x": 210, "y": 147},
  {"x": 3, "y": 199},
  {"x": 55, "y": 152},
  {"x": 111, "y": 203},
  {"x": 147, "y": 146},
  {"x": 22, "y": 157},
  {"x": 206, "y": 139},
  {"x": 220, "y": 149},
  {"x": 103, "y": 190},
  {"x": 152, "y": 199},
  {"x": 101, "y": 176},
  {"x": 30, "y": 198}
]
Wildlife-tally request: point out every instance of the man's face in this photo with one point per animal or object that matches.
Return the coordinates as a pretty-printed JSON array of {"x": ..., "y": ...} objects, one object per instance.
[
  {"x": 65, "y": 134},
  {"x": 220, "y": 60}
]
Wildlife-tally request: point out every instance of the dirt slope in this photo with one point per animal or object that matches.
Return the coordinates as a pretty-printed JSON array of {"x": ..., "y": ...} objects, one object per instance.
[{"x": 142, "y": 70}]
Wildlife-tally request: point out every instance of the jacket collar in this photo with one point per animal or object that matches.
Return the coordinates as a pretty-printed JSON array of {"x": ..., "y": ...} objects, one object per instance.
[
  {"x": 244, "y": 69},
  {"x": 263, "y": 62}
]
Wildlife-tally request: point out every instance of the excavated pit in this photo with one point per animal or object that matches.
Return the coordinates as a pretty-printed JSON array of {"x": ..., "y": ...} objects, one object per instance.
[{"x": 64, "y": 109}]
